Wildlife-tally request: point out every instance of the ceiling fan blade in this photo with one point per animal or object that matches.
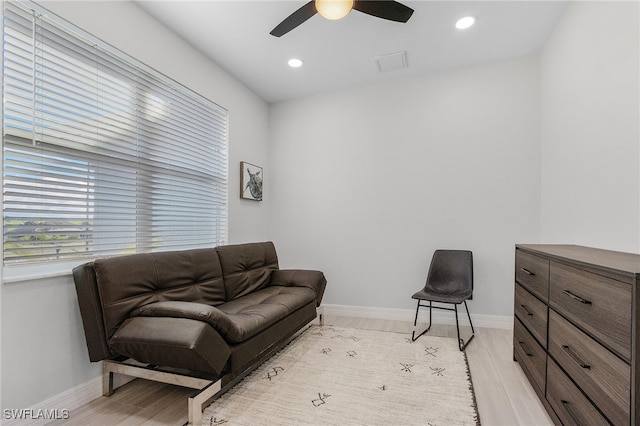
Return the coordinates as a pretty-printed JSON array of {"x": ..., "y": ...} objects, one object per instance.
[
  {"x": 385, "y": 9},
  {"x": 295, "y": 19}
]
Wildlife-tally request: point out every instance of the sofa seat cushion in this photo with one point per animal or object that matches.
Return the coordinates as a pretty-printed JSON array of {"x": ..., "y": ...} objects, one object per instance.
[
  {"x": 256, "y": 311},
  {"x": 240, "y": 319}
]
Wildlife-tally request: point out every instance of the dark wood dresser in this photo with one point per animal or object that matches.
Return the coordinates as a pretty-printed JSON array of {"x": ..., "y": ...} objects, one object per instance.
[{"x": 575, "y": 331}]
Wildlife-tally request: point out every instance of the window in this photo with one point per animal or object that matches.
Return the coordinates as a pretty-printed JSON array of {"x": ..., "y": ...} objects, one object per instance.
[{"x": 101, "y": 154}]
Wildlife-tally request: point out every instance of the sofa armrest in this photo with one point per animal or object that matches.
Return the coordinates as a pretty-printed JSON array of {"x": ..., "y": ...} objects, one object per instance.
[
  {"x": 190, "y": 310},
  {"x": 314, "y": 280},
  {"x": 172, "y": 342},
  {"x": 242, "y": 322}
]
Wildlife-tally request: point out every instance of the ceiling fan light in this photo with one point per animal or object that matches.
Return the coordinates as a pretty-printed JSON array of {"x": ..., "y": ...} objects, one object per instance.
[{"x": 333, "y": 9}]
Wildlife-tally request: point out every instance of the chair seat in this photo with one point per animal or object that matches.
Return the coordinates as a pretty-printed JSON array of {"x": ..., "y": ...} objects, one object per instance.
[{"x": 456, "y": 298}]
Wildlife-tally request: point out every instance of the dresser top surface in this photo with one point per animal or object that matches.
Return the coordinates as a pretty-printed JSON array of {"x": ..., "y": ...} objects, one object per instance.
[{"x": 626, "y": 263}]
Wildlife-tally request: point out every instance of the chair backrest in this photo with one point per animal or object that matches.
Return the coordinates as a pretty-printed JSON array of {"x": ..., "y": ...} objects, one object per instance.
[{"x": 451, "y": 271}]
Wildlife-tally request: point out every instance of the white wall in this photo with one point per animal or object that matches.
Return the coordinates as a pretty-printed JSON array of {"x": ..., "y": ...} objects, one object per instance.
[
  {"x": 590, "y": 127},
  {"x": 367, "y": 183},
  {"x": 43, "y": 346}
]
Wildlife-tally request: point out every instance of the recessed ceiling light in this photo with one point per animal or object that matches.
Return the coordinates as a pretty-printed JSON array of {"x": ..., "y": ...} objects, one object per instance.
[
  {"x": 295, "y": 63},
  {"x": 466, "y": 22}
]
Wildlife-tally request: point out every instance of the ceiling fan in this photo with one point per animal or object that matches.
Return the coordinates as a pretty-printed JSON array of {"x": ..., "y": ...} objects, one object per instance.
[{"x": 337, "y": 9}]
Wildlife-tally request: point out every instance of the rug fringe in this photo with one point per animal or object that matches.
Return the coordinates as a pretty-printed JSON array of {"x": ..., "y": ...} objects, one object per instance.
[{"x": 473, "y": 393}]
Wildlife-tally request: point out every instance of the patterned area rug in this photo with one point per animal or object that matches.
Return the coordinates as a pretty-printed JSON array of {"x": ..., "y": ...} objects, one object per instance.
[{"x": 338, "y": 376}]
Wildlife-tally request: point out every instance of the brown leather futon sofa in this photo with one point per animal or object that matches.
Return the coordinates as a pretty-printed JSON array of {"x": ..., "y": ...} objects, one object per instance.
[{"x": 200, "y": 318}]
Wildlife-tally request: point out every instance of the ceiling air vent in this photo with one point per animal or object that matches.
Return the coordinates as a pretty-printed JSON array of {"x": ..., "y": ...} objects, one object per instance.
[{"x": 392, "y": 61}]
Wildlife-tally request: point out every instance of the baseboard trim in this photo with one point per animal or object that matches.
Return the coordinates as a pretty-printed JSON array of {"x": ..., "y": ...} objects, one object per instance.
[{"x": 439, "y": 317}]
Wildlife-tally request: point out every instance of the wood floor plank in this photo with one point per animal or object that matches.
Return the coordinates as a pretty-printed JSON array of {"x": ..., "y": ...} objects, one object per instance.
[
  {"x": 491, "y": 396},
  {"x": 518, "y": 390},
  {"x": 503, "y": 395},
  {"x": 169, "y": 408},
  {"x": 101, "y": 411}
]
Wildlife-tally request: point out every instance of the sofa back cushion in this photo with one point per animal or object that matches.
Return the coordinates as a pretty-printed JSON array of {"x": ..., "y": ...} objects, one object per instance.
[
  {"x": 128, "y": 282},
  {"x": 247, "y": 267}
]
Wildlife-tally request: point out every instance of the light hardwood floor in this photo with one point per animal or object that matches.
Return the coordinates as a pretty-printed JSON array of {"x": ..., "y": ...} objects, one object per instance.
[{"x": 503, "y": 394}]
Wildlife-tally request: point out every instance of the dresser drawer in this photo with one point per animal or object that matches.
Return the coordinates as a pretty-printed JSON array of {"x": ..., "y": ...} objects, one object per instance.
[
  {"x": 530, "y": 355},
  {"x": 599, "y": 305},
  {"x": 533, "y": 314},
  {"x": 570, "y": 405},
  {"x": 532, "y": 272},
  {"x": 600, "y": 374}
]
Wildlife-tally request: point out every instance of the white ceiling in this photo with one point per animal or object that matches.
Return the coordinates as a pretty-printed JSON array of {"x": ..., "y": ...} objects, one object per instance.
[{"x": 341, "y": 54}]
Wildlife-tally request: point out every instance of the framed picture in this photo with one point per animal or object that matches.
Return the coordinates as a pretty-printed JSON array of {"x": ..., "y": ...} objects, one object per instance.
[{"x": 250, "y": 181}]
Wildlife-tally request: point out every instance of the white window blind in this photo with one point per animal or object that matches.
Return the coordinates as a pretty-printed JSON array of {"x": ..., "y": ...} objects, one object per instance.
[{"x": 102, "y": 155}]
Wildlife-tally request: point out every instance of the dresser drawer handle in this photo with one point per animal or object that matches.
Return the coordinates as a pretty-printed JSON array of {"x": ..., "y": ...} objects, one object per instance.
[
  {"x": 567, "y": 408},
  {"x": 578, "y": 298},
  {"x": 526, "y": 311},
  {"x": 526, "y": 271},
  {"x": 524, "y": 348},
  {"x": 575, "y": 357}
]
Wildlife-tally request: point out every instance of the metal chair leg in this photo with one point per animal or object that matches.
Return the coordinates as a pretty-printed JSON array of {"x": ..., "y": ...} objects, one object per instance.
[
  {"x": 415, "y": 322},
  {"x": 473, "y": 332},
  {"x": 461, "y": 343}
]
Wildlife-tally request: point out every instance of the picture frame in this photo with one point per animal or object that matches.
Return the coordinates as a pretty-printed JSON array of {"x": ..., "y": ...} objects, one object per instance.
[{"x": 251, "y": 181}]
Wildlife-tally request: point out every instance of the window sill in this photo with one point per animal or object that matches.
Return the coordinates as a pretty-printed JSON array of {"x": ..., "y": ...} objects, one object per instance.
[{"x": 18, "y": 274}]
